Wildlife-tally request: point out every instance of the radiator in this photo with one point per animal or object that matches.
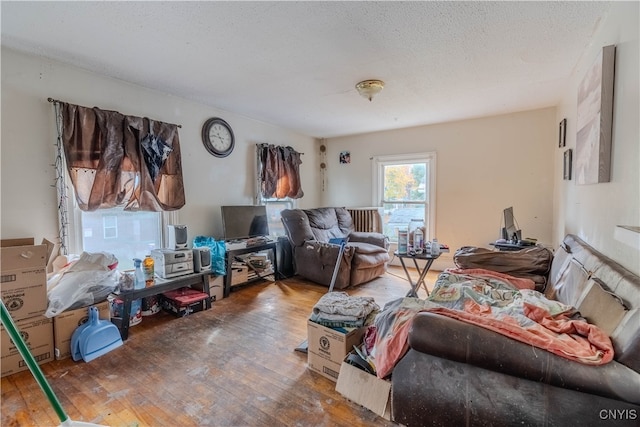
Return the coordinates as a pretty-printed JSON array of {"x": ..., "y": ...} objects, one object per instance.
[{"x": 366, "y": 219}]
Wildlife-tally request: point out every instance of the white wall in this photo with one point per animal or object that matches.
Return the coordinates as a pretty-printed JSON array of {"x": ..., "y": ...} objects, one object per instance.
[
  {"x": 593, "y": 211},
  {"x": 483, "y": 166},
  {"x": 29, "y": 205}
]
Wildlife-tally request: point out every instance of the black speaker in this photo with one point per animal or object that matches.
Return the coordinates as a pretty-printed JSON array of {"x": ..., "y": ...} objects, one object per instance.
[
  {"x": 201, "y": 259},
  {"x": 285, "y": 258},
  {"x": 177, "y": 237}
]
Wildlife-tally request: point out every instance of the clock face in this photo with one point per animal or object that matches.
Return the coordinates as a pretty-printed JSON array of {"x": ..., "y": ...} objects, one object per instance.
[{"x": 217, "y": 137}]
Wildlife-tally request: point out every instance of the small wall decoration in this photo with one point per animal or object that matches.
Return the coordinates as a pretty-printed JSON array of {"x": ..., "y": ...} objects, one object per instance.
[
  {"x": 595, "y": 120},
  {"x": 568, "y": 156},
  {"x": 345, "y": 157},
  {"x": 562, "y": 137},
  {"x": 323, "y": 162}
]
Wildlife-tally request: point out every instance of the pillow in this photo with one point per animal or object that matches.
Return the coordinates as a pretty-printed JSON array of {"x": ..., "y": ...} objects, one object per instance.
[
  {"x": 601, "y": 307},
  {"x": 570, "y": 287}
]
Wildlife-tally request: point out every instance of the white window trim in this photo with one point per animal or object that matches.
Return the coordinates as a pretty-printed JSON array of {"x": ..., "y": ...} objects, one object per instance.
[
  {"x": 377, "y": 178},
  {"x": 75, "y": 224},
  {"x": 104, "y": 228}
]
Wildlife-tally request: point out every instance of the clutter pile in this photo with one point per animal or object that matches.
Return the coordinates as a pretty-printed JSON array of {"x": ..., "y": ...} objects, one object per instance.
[{"x": 81, "y": 281}]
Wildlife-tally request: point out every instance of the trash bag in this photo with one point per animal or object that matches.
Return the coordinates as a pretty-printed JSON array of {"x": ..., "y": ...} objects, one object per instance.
[
  {"x": 532, "y": 263},
  {"x": 85, "y": 281},
  {"x": 218, "y": 250}
]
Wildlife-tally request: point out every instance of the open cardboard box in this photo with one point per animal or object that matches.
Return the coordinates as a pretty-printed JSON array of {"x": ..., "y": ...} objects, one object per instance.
[
  {"x": 365, "y": 389},
  {"x": 23, "y": 287},
  {"x": 23, "y": 276}
]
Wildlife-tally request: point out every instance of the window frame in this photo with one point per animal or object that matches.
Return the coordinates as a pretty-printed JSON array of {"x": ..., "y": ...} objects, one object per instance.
[
  {"x": 430, "y": 160},
  {"x": 105, "y": 227},
  {"x": 75, "y": 227}
]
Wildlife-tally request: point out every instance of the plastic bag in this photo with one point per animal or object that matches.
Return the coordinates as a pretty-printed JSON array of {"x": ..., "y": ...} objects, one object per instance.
[
  {"x": 218, "y": 250},
  {"x": 88, "y": 280}
]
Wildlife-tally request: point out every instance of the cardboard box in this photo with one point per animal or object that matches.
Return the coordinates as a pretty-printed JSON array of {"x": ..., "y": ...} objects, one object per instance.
[
  {"x": 67, "y": 322},
  {"x": 23, "y": 279},
  {"x": 216, "y": 287},
  {"x": 37, "y": 332},
  {"x": 365, "y": 389},
  {"x": 327, "y": 348},
  {"x": 239, "y": 274}
]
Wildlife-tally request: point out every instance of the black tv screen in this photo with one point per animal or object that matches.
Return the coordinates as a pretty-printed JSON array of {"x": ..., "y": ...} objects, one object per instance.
[{"x": 240, "y": 222}]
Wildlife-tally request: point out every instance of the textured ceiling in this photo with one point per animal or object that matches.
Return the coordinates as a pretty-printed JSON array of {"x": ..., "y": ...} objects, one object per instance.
[{"x": 295, "y": 64}]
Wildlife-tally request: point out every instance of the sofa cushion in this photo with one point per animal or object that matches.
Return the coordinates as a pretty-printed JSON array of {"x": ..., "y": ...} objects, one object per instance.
[
  {"x": 487, "y": 349},
  {"x": 429, "y": 390},
  {"x": 601, "y": 307},
  {"x": 570, "y": 286},
  {"x": 368, "y": 255},
  {"x": 573, "y": 285},
  {"x": 296, "y": 224},
  {"x": 329, "y": 223}
]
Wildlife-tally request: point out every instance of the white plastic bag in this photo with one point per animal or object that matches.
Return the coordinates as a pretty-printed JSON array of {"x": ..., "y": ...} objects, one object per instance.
[{"x": 83, "y": 282}]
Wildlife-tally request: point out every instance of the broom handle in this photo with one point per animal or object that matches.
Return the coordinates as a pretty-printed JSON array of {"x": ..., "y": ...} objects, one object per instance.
[
  {"x": 15, "y": 336},
  {"x": 337, "y": 267}
]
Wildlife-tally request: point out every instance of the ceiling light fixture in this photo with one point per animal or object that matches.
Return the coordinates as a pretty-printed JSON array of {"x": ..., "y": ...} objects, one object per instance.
[{"x": 370, "y": 88}]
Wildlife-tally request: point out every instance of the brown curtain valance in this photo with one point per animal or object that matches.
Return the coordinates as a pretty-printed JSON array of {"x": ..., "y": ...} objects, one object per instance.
[
  {"x": 122, "y": 161},
  {"x": 279, "y": 172}
]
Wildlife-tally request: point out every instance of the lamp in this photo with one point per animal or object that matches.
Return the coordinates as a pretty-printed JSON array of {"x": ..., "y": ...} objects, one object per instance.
[{"x": 370, "y": 88}]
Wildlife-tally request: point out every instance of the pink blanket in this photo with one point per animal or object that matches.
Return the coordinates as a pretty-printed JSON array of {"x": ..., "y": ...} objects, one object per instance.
[{"x": 498, "y": 302}]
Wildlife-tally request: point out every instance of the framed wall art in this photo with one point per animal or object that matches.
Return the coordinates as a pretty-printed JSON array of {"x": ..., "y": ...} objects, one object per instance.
[
  {"x": 562, "y": 133},
  {"x": 566, "y": 169},
  {"x": 595, "y": 120},
  {"x": 345, "y": 157}
]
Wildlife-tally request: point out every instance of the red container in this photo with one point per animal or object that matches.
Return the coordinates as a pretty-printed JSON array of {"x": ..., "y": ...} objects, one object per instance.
[{"x": 184, "y": 301}]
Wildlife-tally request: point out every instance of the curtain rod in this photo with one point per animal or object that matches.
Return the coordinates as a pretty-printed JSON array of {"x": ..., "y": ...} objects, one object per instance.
[
  {"x": 264, "y": 144},
  {"x": 55, "y": 101}
]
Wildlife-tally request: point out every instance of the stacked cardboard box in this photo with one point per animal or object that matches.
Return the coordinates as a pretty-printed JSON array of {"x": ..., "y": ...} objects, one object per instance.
[
  {"x": 67, "y": 322},
  {"x": 327, "y": 347},
  {"x": 239, "y": 273},
  {"x": 23, "y": 286}
]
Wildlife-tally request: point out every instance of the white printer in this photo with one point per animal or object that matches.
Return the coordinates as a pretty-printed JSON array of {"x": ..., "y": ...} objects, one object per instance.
[{"x": 171, "y": 263}]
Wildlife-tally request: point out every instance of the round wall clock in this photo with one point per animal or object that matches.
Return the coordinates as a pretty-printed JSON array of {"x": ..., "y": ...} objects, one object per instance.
[{"x": 217, "y": 137}]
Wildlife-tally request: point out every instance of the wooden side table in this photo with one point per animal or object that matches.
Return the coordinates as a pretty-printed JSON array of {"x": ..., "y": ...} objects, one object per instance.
[{"x": 422, "y": 272}]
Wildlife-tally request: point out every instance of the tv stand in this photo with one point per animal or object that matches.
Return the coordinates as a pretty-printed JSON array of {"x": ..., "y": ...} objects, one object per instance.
[{"x": 242, "y": 248}]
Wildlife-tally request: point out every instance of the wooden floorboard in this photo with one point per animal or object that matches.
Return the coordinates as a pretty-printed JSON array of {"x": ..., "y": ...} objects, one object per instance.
[{"x": 233, "y": 365}]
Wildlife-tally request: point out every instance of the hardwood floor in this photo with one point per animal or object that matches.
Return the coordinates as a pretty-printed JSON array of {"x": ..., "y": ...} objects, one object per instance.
[{"x": 233, "y": 365}]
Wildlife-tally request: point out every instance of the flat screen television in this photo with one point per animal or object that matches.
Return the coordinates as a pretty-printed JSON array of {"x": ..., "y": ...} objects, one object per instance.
[{"x": 241, "y": 222}]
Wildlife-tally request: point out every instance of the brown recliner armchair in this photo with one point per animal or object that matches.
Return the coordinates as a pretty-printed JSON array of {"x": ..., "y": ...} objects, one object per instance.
[{"x": 309, "y": 230}]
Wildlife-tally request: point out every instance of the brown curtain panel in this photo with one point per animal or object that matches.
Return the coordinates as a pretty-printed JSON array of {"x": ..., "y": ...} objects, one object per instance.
[
  {"x": 122, "y": 161},
  {"x": 279, "y": 172}
]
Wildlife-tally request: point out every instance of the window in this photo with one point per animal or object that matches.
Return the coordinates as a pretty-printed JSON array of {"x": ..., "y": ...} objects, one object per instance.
[
  {"x": 125, "y": 234},
  {"x": 274, "y": 207},
  {"x": 405, "y": 188},
  {"x": 109, "y": 228}
]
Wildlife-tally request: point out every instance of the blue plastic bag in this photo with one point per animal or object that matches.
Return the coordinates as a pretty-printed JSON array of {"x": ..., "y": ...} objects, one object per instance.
[{"x": 218, "y": 250}]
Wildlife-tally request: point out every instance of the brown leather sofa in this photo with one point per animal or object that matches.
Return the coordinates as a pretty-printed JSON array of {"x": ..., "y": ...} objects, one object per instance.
[
  {"x": 309, "y": 230},
  {"x": 460, "y": 374}
]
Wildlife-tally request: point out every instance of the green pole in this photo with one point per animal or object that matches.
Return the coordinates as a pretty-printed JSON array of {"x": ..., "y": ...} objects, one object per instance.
[{"x": 15, "y": 336}]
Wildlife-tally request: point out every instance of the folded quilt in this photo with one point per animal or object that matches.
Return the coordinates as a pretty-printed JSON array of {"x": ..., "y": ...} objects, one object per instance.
[
  {"x": 343, "y": 304},
  {"x": 338, "y": 309}
]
